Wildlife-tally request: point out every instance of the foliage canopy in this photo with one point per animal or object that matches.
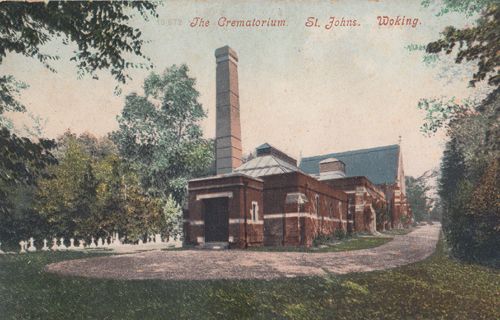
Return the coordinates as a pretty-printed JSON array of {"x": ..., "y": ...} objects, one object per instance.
[{"x": 160, "y": 133}]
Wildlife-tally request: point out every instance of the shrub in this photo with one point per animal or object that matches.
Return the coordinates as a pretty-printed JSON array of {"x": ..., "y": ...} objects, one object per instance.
[{"x": 340, "y": 234}]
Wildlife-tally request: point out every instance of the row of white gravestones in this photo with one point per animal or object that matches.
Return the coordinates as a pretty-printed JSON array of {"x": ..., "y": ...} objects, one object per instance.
[
  {"x": 58, "y": 245},
  {"x": 27, "y": 246},
  {"x": 155, "y": 239}
]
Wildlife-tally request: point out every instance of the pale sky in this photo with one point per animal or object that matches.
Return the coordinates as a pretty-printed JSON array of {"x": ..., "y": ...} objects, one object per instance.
[{"x": 304, "y": 90}]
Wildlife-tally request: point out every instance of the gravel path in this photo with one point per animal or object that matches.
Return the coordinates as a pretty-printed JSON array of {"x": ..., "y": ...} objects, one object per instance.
[{"x": 241, "y": 264}]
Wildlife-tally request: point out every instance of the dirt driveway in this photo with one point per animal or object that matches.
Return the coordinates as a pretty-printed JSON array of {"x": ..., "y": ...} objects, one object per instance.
[{"x": 241, "y": 264}]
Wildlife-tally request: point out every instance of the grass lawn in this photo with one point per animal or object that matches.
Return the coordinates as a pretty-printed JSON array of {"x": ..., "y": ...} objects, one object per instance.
[
  {"x": 397, "y": 232},
  {"x": 355, "y": 243},
  {"x": 435, "y": 288}
]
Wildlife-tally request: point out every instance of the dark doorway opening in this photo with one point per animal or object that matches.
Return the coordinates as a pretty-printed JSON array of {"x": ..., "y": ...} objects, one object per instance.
[{"x": 216, "y": 220}]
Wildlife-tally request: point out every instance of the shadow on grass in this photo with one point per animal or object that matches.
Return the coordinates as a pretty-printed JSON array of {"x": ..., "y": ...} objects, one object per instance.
[
  {"x": 350, "y": 244},
  {"x": 437, "y": 287}
]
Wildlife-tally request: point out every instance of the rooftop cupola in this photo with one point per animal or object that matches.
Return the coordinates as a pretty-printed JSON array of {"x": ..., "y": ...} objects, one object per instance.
[
  {"x": 266, "y": 149},
  {"x": 331, "y": 168}
]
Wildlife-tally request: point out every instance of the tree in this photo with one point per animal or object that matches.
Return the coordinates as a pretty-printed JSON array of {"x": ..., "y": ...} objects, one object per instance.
[
  {"x": 472, "y": 127},
  {"x": 121, "y": 205},
  {"x": 103, "y": 40},
  {"x": 171, "y": 224},
  {"x": 484, "y": 212},
  {"x": 96, "y": 147},
  {"x": 65, "y": 199},
  {"x": 437, "y": 210},
  {"x": 21, "y": 162},
  {"x": 417, "y": 190},
  {"x": 86, "y": 196},
  {"x": 102, "y": 37},
  {"x": 159, "y": 133},
  {"x": 479, "y": 43},
  {"x": 99, "y": 30}
]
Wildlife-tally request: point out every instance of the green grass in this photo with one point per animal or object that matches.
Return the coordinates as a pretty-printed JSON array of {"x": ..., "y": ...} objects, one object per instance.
[
  {"x": 397, "y": 232},
  {"x": 350, "y": 244},
  {"x": 436, "y": 288}
]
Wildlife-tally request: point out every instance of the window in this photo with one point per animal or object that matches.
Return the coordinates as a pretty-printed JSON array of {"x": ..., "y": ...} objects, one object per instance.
[
  {"x": 350, "y": 208},
  {"x": 254, "y": 212},
  {"x": 340, "y": 210},
  {"x": 317, "y": 203}
]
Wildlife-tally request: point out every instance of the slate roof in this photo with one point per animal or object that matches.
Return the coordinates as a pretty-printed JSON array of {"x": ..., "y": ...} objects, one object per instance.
[
  {"x": 379, "y": 165},
  {"x": 265, "y": 166}
]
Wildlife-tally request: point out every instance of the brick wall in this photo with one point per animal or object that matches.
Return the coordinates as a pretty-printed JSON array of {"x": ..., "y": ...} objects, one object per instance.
[
  {"x": 241, "y": 191},
  {"x": 294, "y": 224}
]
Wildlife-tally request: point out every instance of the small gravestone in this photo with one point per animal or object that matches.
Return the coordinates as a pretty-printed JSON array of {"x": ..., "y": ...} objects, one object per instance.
[
  {"x": 32, "y": 247},
  {"x": 54, "y": 247},
  {"x": 80, "y": 244},
  {"x": 158, "y": 238},
  {"x": 61, "y": 245},
  {"x": 22, "y": 244},
  {"x": 72, "y": 243},
  {"x": 140, "y": 242},
  {"x": 45, "y": 248},
  {"x": 178, "y": 243},
  {"x": 117, "y": 241},
  {"x": 99, "y": 242},
  {"x": 1, "y": 252},
  {"x": 92, "y": 243}
]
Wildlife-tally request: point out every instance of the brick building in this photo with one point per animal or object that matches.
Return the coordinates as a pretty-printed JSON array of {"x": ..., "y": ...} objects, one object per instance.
[
  {"x": 372, "y": 178},
  {"x": 270, "y": 199}
]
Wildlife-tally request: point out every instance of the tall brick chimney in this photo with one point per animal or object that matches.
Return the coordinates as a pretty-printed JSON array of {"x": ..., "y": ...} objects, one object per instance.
[{"x": 228, "y": 128}]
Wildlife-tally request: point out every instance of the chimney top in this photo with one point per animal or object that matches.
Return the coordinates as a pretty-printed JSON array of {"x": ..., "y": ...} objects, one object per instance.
[{"x": 225, "y": 51}]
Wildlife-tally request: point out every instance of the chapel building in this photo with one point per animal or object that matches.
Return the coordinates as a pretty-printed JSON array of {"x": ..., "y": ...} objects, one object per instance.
[{"x": 273, "y": 200}]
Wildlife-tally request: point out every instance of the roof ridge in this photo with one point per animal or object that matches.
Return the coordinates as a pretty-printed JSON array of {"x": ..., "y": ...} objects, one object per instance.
[
  {"x": 283, "y": 164},
  {"x": 366, "y": 150}
]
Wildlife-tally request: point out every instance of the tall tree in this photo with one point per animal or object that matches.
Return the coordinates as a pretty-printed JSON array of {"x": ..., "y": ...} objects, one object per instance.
[
  {"x": 471, "y": 155},
  {"x": 103, "y": 40},
  {"x": 65, "y": 199},
  {"x": 160, "y": 133},
  {"x": 417, "y": 190},
  {"x": 86, "y": 196}
]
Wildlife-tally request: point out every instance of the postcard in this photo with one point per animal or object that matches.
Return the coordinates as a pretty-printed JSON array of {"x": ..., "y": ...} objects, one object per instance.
[{"x": 272, "y": 159}]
